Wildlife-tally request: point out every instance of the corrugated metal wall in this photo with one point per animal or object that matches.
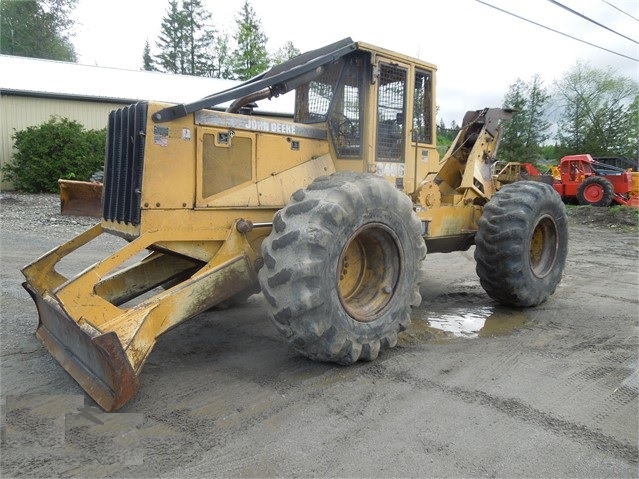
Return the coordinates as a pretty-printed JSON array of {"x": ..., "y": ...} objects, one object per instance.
[{"x": 19, "y": 112}]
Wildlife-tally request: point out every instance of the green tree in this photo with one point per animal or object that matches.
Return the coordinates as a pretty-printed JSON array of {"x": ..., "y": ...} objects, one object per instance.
[
  {"x": 629, "y": 125},
  {"x": 598, "y": 112},
  {"x": 250, "y": 57},
  {"x": 445, "y": 136},
  {"x": 285, "y": 52},
  {"x": 538, "y": 127},
  {"x": 221, "y": 62},
  {"x": 512, "y": 146},
  {"x": 147, "y": 60},
  {"x": 171, "y": 58},
  {"x": 37, "y": 29},
  {"x": 525, "y": 134},
  {"x": 186, "y": 39},
  {"x": 198, "y": 38},
  {"x": 550, "y": 155}
]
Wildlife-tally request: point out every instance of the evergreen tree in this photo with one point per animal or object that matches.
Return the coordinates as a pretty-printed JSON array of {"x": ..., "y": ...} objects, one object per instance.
[
  {"x": 37, "y": 29},
  {"x": 512, "y": 146},
  {"x": 221, "y": 62},
  {"x": 147, "y": 60},
  {"x": 250, "y": 57},
  {"x": 538, "y": 126},
  {"x": 171, "y": 58},
  {"x": 286, "y": 52},
  {"x": 186, "y": 39},
  {"x": 199, "y": 38},
  {"x": 525, "y": 134}
]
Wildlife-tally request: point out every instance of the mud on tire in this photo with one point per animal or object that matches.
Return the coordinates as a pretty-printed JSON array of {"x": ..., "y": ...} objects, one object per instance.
[
  {"x": 522, "y": 244},
  {"x": 341, "y": 267}
]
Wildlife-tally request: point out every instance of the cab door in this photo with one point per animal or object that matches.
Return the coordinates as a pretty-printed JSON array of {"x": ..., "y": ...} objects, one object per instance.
[
  {"x": 390, "y": 134},
  {"x": 405, "y": 146}
]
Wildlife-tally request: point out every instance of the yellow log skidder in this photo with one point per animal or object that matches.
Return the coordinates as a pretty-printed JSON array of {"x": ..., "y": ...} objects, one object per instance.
[{"x": 329, "y": 214}]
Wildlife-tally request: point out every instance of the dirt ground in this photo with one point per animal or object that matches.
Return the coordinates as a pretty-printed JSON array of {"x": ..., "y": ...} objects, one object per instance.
[{"x": 473, "y": 389}]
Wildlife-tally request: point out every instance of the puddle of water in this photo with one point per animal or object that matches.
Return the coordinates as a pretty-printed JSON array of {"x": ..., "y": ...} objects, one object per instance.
[
  {"x": 484, "y": 321},
  {"x": 461, "y": 323},
  {"x": 503, "y": 321}
]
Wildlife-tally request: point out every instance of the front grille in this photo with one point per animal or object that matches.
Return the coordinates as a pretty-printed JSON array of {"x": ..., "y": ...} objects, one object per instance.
[{"x": 123, "y": 164}]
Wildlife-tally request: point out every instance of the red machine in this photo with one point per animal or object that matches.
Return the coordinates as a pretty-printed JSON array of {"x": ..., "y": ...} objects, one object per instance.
[{"x": 577, "y": 177}]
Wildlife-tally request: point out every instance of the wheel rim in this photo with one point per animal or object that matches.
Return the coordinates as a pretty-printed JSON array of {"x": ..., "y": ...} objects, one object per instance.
[
  {"x": 543, "y": 246},
  {"x": 368, "y": 273},
  {"x": 593, "y": 193}
]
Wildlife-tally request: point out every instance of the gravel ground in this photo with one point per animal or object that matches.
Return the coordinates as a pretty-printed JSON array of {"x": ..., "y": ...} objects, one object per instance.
[
  {"x": 472, "y": 389},
  {"x": 41, "y": 212}
]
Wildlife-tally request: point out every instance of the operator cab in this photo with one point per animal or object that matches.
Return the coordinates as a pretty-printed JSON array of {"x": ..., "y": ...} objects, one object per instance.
[{"x": 366, "y": 99}]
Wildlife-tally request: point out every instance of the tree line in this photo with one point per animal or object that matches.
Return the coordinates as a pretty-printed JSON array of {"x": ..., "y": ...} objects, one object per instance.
[
  {"x": 589, "y": 110},
  {"x": 190, "y": 44}
]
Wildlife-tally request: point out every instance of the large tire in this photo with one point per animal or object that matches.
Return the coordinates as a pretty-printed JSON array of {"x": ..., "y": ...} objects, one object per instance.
[
  {"x": 595, "y": 191},
  {"x": 341, "y": 267},
  {"x": 522, "y": 244}
]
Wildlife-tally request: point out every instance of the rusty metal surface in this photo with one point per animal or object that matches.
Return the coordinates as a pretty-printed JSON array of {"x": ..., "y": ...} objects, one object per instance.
[
  {"x": 80, "y": 198},
  {"x": 97, "y": 362}
]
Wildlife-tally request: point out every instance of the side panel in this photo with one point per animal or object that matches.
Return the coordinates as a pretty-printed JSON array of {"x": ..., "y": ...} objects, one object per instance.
[
  {"x": 240, "y": 168},
  {"x": 225, "y": 168},
  {"x": 169, "y": 164},
  {"x": 277, "y": 189},
  {"x": 621, "y": 183},
  {"x": 277, "y": 153}
]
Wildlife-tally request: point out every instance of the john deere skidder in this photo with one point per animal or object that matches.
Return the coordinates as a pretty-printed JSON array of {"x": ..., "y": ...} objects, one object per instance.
[{"x": 329, "y": 214}]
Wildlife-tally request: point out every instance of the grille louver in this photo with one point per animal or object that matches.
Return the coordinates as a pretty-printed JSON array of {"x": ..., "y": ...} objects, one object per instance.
[{"x": 124, "y": 164}]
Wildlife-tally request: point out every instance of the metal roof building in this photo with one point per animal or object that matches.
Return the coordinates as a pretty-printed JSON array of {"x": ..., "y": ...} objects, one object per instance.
[{"x": 33, "y": 90}]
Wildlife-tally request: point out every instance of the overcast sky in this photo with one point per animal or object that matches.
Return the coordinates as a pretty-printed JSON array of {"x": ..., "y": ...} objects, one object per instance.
[{"x": 479, "y": 51}]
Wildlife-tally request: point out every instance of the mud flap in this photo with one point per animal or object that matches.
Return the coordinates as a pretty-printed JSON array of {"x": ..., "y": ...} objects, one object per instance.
[{"x": 97, "y": 361}]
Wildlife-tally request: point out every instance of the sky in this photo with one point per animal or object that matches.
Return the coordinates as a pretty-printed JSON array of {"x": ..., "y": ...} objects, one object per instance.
[{"x": 479, "y": 51}]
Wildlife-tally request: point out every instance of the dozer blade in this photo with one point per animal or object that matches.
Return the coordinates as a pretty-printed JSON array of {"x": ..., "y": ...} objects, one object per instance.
[
  {"x": 80, "y": 198},
  {"x": 101, "y": 325},
  {"x": 96, "y": 361}
]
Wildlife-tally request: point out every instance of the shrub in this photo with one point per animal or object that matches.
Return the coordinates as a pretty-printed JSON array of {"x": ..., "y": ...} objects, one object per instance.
[{"x": 59, "y": 148}]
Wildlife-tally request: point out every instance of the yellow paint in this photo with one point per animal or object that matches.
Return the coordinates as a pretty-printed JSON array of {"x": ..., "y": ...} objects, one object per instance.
[{"x": 208, "y": 176}]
